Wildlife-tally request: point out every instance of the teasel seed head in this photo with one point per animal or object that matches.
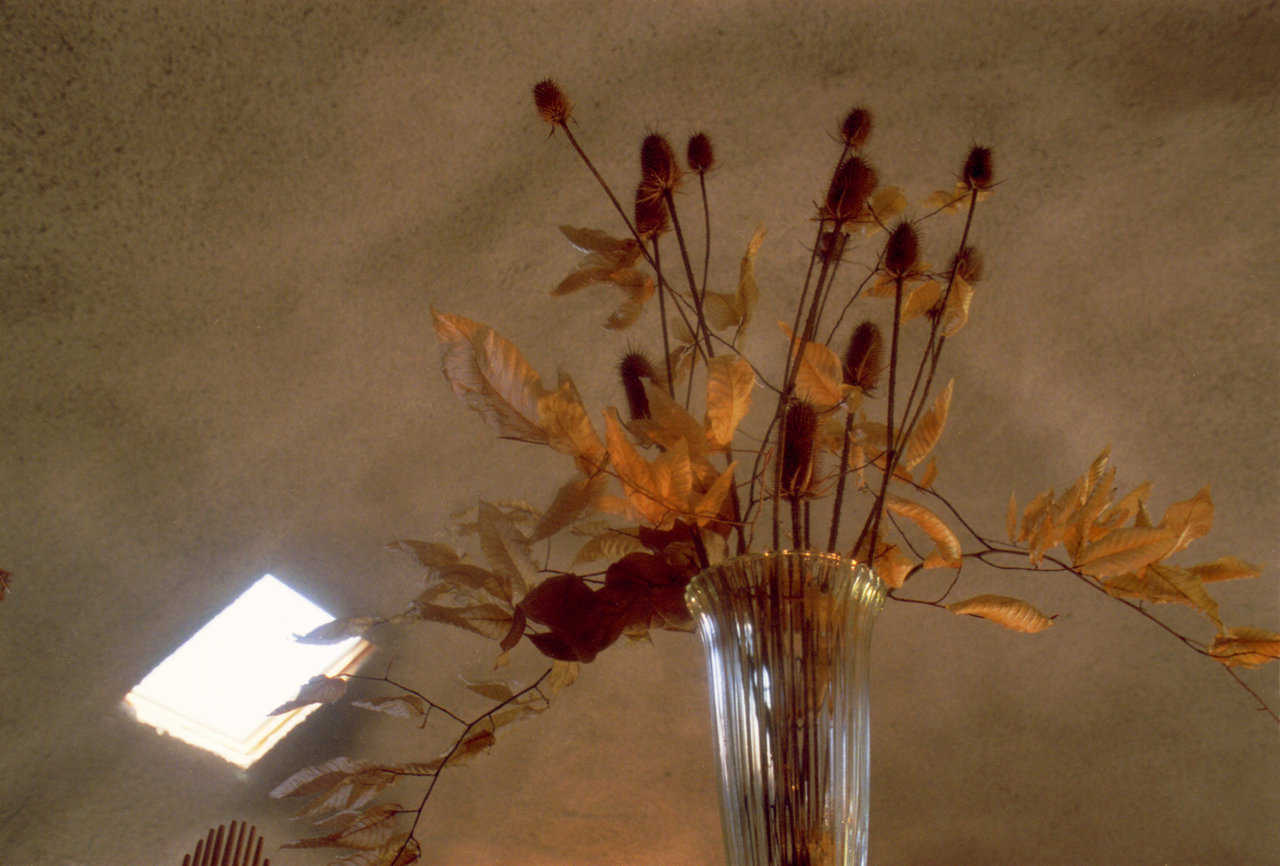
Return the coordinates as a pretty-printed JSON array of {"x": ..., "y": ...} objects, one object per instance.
[
  {"x": 651, "y": 214},
  {"x": 800, "y": 429},
  {"x": 901, "y": 250},
  {"x": 862, "y": 358},
  {"x": 852, "y": 182},
  {"x": 968, "y": 264},
  {"x": 977, "y": 169},
  {"x": 658, "y": 169},
  {"x": 634, "y": 368},
  {"x": 856, "y": 127},
  {"x": 552, "y": 105},
  {"x": 699, "y": 153}
]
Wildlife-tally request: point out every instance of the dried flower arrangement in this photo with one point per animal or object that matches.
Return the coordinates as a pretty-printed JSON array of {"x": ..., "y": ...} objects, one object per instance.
[{"x": 670, "y": 490}]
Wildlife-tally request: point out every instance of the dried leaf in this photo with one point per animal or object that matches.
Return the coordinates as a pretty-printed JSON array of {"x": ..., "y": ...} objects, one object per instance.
[
  {"x": 507, "y": 550},
  {"x": 563, "y": 674},
  {"x": 564, "y": 419},
  {"x": 1246, "y": 647},
  {"x": 339, "y": 630},
  {"x": 317, "y": 690},
  {"x": 893, "y": 566},
  {"x": 956, "y": 312},
  {"x": 1189, "y": 519},
  {"x": 948, "y": 546},
  {"x": 313, "y": 780},
  {"x": 429, "y": 553},
  {"x": 596, "y": 241},
  {"x": 494, "y": 691},
  {"x": 573, "y": 498},
  {"x": 1012, "y": 613},
  {"x": 1165, "y": 584},
  {"x": 1125, "y": 550},
  {"x": 1225, "y": 568},
  {"x": 819, "y": 378},
  {"x": 923, "y": 298},
  {"x": 400, "y": 706},
  {"x": 708, "y": 507},
  {"x": 369, "y": 831},
  {"x": 611, "y": 545},
  {"x": 930, "y": 474},
  {"x": 929, "y": 429},
  {"x": 490, "y": 375},
  {"x": 669, "y": 422},
  {"x": 730, "y": 381}
]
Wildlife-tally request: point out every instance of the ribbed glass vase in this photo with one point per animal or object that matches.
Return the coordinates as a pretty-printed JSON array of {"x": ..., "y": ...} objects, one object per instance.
[{"x": 787, "y": 636}]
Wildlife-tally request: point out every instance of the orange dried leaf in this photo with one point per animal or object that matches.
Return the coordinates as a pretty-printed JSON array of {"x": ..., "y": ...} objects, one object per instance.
[
  {"x": 948, "y": 546},
  {"x": 1189, "y": 519},
  {"x": 730, "y": 381},
  {"x": 929, "y": 429},
  {"x": 1246, "y": 647},
  {"x": 923, "y": 298},
  {"x": 488, "y": 373},
  {"x": 1012, "y": 613},
  {"x": 956, "y": 312},
  {"x": 1165, "y": 584},
  {"x": 1124, "y": 550},
  {"x": 708, "y": 506},
  {"x": 1225, "y": 568},
  {"x": 819, "y": 377},
  {"x": 568, "y": 427}
]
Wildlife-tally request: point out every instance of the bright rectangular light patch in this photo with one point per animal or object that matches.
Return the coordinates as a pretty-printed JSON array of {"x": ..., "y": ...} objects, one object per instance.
[{"x": 216, "y": 690}]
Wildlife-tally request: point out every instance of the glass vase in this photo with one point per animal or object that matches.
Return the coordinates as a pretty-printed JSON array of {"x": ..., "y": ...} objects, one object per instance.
[{"x": 787, "y": 636}]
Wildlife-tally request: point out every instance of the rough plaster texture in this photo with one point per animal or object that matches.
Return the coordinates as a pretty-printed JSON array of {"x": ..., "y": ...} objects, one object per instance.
[{"x": 222, "y": 228}]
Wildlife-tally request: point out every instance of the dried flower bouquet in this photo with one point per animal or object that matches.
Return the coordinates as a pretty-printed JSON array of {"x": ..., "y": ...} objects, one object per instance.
[{"x": 678, "y": 485}]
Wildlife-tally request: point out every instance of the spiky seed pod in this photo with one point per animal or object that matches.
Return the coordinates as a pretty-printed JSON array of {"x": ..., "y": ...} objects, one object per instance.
[
  {"x": 852, "y": 182},
  {"x": 901, "y": 250},
  {"x": 699, "y": 153},
  {"x": 968, "y": 264},
  {"x": 552, "y": 105},
  {"x": 800, "y": 427},
  {"x": 856, "y": 127},
  {"x": 651, "y": 214},
  {"x": 634, "y": 368},
  {"x": 862, "y": 358},
  {"x": 658, "y": 169},
  {"x": 977, "y": 168}
]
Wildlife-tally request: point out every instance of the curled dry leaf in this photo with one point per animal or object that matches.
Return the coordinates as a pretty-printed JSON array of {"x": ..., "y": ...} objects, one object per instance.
[
  {"x": 317, "y": 690},
  {"x": 1225, "y": 568},
  {"x": 947, "y": 552},
  {"x": 1012, "y": 613},
  {"x": 488, "y": 373},
  {"x": 929, "y": 429},
  {"x": 1246, "y": 647}
]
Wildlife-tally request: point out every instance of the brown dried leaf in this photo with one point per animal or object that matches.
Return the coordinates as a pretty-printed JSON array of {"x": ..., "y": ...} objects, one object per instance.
[
  {"x": 595, "y": 241},
  {"x": 400, "y": 706},
  {"x": 1012, "y": 613},
  {"x": 1225, "y": 568},
  {"x": 730, "y": 381},
  {"x": 1125, "y": 550},
  {"x": 488, "y": 373},
  {"x": 892, "y": 566},
  {"x": 491, "y": 689},
  {"x": 352, "y": 792},
  {"x": 669, "y": 422},
  {"x": 1246, "y": 647},
  {"x": 317, "y": 690},
  {"x": 929, "y": 429},
  {"x": 571, "y": 500},
  {"x": 948, "y": 546}
]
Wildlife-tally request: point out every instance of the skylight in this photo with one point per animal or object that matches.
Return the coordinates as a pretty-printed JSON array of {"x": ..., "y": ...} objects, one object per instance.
[{"x": 216, "y": 690}]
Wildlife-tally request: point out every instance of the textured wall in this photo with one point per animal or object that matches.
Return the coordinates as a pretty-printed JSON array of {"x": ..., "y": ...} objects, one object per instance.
[{"x": 222, "y": 227}]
